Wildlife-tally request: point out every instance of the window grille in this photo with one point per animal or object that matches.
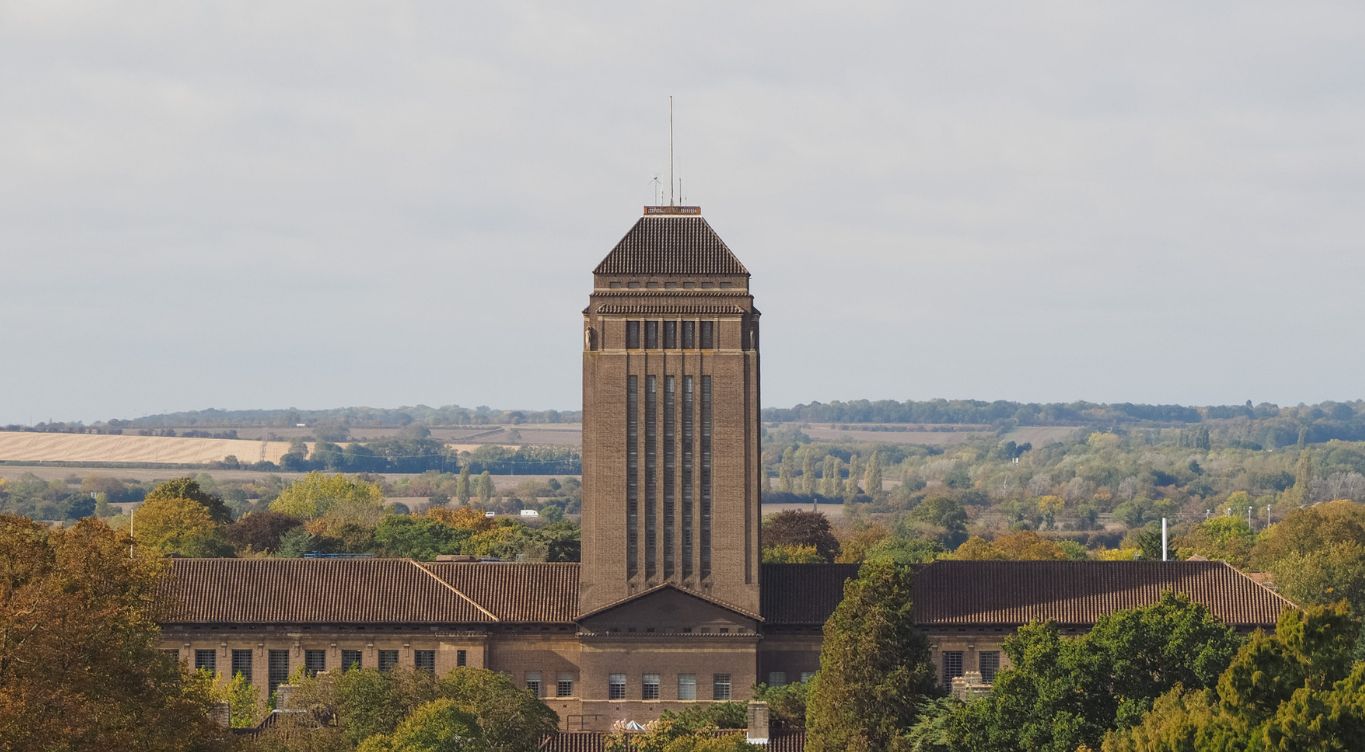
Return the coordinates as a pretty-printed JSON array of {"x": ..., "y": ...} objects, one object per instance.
[
  {"x": 705, "y": 476},
  {"x": 241, "y": 664},
  {"x": 689, "y": 335},
  {"x": 564, "y": 686},
  {"x": 687, "y": 438},
  {"x": 670, "y": 468},
  {"x": 687, "y": 686},
  {"x": 388, "y": 660},
  {"x": 720, "y": 687},
  {"x": 350, "y": 659},
  {"x": 616, "y": 687},
  {"x": 777, "y": 678},
  {"x": 461, "y": 658},
  {"x": 206, "y": 660},
  {"x": 651, "y": 460},
  {"x": 989, "y": 661},
  {"x": 708, "y": 335},
  {"x": 632, "y": 476},
  {"x": 952, "y": 666},
  {"x": 632, "y": 335},
  {"x": 651, "y": 335},
  {"x": 649, "y": 687},
  {"x": 314, "y": 662},
  {"x": 277, "y": 669},
  {"x": 670, "y": 335},
  {"x": 424, "y": 660},
  {"x": 533, "y": 683}
]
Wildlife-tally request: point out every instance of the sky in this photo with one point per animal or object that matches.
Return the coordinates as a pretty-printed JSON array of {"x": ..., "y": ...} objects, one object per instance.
[{"x": 319, "y": 204}]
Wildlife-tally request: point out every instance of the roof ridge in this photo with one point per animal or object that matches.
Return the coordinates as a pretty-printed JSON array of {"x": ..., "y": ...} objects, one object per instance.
[
  {"x": 1273, "y": 593},
  {"x": 452, "y": 588}
]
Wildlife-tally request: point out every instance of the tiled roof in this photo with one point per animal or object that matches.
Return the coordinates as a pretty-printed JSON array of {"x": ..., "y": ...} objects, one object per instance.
[
  {"x": 596, "y": 741},
  {"x": 803, "y": 594},
  {"x": 671, "y": 245},
  {"x": 516, "y": 592},
  {"x": 311, "y": 591},
  {"x": 1010, "y": 593}
]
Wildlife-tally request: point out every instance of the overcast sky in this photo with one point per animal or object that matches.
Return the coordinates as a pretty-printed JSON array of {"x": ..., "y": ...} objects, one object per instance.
[{"x": 306, "y": 204}]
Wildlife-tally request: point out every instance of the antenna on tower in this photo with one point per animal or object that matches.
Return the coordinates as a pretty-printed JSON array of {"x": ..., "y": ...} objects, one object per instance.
[{"x": 670, "y": 150}]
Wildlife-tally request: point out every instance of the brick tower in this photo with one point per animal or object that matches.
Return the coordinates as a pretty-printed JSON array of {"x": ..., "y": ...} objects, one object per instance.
[{"x": 671, "y": 456}]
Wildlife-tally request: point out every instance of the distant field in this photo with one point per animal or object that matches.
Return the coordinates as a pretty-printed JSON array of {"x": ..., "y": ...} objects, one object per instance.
[
  {"x": 21, "y": 446},
  {"x": 144, "y": 474},
  {"x": 949, "y": 435},
  {"x": 463, "y": 437}
]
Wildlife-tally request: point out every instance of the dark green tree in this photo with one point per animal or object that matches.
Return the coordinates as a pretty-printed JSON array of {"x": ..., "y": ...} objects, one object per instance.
[{"x": 189, "y": 488}]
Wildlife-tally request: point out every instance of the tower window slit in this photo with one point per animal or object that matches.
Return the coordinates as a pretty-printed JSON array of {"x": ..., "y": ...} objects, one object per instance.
[
  {"x": 705, "y": 476},
  {"x": 670, "y": 335},
  {"x": 651, "y": 335},
  {"x": 632, "y": 476},
  {"x": 689, "y": 335},
  {"x": 632, "y": 334},
  {"x": 651, "y": 474},
  {"x": 687, "y": 437},
  {"x": 670, "y": 462},
  {"x": 708, "y": 335}
]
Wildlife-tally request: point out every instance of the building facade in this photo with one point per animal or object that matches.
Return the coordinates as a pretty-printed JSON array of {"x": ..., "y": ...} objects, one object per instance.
[{"x": 670, "y": 605}]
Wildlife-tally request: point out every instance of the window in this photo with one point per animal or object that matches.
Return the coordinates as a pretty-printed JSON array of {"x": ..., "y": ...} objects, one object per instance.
[
  {"x": 952, "y": 666},
  {"x": 632, "y": 334},
  {"x": 649, "y": 687},
  {"x": 689, "y": 335},
  {"x": 241, "y": 664},
  {"x": 632, "y": 475},
  {"x": 687, "y": 686},
  {"x": 806, "y": 675},
  {"x": 720, "y": 687},
  {"x": 989, "y": 661},
  {"x": 651, "y": 335},
  {"x": 777, "y": 678},
  {"x": 705, "y": 490},
  {"x": 206, "y": 660},
  {"x": 687, "y": 436},
  {"x": 616, "y": 687},
  {"x": 424, "y": 660},
  {"x": 388, "y": 660},
  {"x": 314, "y": 662},
  {"x": 670, "y": 335},
  {"x": 350, "y": 659},
  {"x": 533, "y": 683},
  {"x": 651, "y": 470},
  {"x": 708, "y": 335},
  {"x": 277, "y": 669},
  {"x": 461, "y": 658},
  {"x": 564, "y": 686},
  {"x": 670, "y": 468}
]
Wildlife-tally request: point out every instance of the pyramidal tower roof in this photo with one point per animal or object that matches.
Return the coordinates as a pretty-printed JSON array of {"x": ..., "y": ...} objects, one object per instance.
[{"x": 671, "y": 240}]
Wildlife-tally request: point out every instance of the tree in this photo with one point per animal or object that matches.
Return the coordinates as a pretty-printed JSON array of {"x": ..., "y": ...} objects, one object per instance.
[
  {"x": 485, "y": 487},
  {"x": 1061, "y": 693},
  {"x": 807, "y": 472},
  {"x": 874, "y": 476},
  {"x": 315, "y": 494},
  {"x": 189, "y": 488},
  {"x": 260, "y": 531},
  {"x": 178, "y": 526},
  {"x": 462, "y": 489},
  {"x": 786, "y": 703},
  {"x": 874, "y": 665},
  {"x": 786, "y": 468},
  {"x": 801, "y": 528},
  {"x": 436, "y": 726},
  {"x": 417, "y": 538},
  {"x": 1294, "y": 689},
  {"x": 1219, "y": 538},
  {"x": 1021, "y": 546},
  {"x": 509, "y": 717},
  {"x": 942, "y": 518},
  {"x": 792, "y": 555},
  {"x": 80, "y": 667}
]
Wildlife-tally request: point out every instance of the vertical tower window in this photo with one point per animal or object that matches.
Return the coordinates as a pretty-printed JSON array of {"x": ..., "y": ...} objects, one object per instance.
[
  {"x": 705, "y": 476},
  {"x": 687, "y": 437},
  {"x": 689, "y": 335},
  {"x": 670, "y": 335},
  {"x": 651, "y": 472},
  {"x": 632, "y": 476},
  {"x": 708, "y": 335},
  {"x": 651, "y": 335},
  {"x": 632, "y": 334},
  {"x": 670, "y": 469}
]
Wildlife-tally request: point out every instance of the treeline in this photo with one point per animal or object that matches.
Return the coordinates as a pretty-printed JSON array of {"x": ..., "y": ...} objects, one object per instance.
[
  {"x": 357, "y": 417},
  {"x": 429, "y": 455}
]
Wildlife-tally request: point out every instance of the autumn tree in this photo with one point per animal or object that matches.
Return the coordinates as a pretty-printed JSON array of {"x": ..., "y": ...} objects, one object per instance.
[
  {"x": 1024, "y": 545},
  {"x": 260, "y": 531},
  {"x": 801, "y": 528},
  {"x": 315, "y": 494},
  {"x": 174, "y": 525},
  {"x": 80, "y": 667},
  {"x": 873, "y": 484},
  {"x": 485, "y": 489},
  {"x": 189, "y": 488},
  {"x": 874, "y": 665},
  {"x": 1223, "y": 538},
  {"x": 463, "y": 490}
]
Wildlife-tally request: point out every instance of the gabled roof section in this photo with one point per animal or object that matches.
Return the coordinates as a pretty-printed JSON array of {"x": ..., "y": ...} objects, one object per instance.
[
  {"x": 516, "y": 591},
  {"x": 671, "y": 245},
  {"x": 311, "y": 591},
  {"x": 1011, "y": 593},
  {"x": 803, "y": 594},
  {"x": 670, "y": 586}
]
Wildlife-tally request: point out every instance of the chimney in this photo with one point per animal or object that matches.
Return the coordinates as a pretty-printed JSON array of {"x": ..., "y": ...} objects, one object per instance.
[
  {"x": 758, "y": 723},
  {"x": 221, "y": 714},
  {"x": 284, "y": 697}
]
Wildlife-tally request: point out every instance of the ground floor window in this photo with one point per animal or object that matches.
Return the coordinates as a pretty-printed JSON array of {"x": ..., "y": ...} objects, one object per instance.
[
  {"x": 687, "y": 686},
  {"x": 777, "y": 678},
  {"x": 720, "y": 687},
  {"x": 461, "y": 657},
  {"x": 206, "y": 660},
  {"x": 990, "y": 665},
  {"x": 424, "y": 660},
  {"x": 350, "y": 659},
  {"x": 564, "y": 686},
  {"x": 241, "y": 664},
  {"x": 616, "y": 687},
  {"x": 649, "y": 687},
  {"x": 533, "y": 683},
  {"x": 277, "y": 665},
  {"x": 314, "y": 662},
  {"x": 952, "y": 666},
  {"x": 388, "y": 660}
]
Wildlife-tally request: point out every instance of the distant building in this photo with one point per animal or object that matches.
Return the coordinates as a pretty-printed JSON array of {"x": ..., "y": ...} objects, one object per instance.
[{"x": 670, "y": 605}]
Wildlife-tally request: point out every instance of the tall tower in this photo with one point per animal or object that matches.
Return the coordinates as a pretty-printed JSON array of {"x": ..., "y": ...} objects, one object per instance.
[{"x": 671, "y": 455}]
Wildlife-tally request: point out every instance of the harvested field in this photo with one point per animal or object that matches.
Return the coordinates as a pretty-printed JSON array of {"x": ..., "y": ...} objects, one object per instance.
[
  {"x": 23, "y": 446},
  {"x": 553, "y": 434}
]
